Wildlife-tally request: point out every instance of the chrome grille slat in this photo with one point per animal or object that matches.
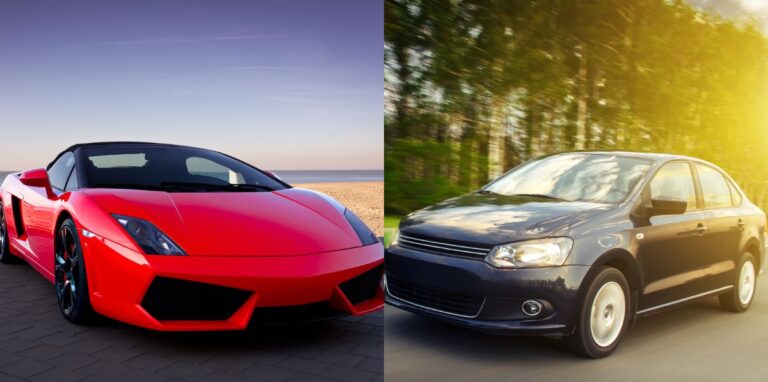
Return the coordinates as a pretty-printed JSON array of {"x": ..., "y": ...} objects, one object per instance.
[{"x": 442, "y": 247}]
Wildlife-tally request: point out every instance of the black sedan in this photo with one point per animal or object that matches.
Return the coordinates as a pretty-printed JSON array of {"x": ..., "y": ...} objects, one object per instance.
[{"x": 578, "y": 245}]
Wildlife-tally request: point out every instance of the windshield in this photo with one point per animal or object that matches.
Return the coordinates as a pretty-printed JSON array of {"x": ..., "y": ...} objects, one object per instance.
[
  {"x": 172, "y": 169},
  {"x": 601, "y": 178}
]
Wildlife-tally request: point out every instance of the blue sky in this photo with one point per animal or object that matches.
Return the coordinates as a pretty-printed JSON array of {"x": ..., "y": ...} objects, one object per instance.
[{"x": 281, "y": 84}]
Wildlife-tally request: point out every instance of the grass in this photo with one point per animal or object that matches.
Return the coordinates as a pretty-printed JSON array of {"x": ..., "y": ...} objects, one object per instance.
[{"x": 390, "y": 225}]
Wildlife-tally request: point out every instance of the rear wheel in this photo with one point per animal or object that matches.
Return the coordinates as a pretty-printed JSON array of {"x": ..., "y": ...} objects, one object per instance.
[
  {"x": 604, "y": 315},
  {"x": 740, "y": 297},
  {"x": 70, "y": 277},
  {"x": 5, "y": 254}
]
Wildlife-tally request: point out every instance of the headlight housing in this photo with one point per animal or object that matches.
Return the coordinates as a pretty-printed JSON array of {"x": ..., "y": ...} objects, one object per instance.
[
  {"x": 363, "y": 232},
  {"x": 151, "y": 240},
  {"x": 549, "y": 252},
  {"x": 395, "y": 238}
]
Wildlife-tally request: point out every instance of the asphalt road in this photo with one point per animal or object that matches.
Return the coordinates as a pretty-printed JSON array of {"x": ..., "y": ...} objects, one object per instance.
[
  {"x": 37, "y": 344},
  {"x": 698, "y": 342}
]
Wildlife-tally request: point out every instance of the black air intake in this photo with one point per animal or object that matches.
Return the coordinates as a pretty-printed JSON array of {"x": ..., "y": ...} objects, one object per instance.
[
  {"x": 364, "y": 286},
  {"x": 174, "y": 299}
]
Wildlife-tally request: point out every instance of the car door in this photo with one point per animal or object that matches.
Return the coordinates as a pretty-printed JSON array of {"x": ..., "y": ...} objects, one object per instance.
[
  {"x": 725, "y": 227},
  {"x": 669, "y": 252},
  {"x": 40, "y": 209}
]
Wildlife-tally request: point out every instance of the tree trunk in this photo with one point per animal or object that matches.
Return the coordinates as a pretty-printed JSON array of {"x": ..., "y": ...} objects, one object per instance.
[{"x": 581, "y": 103}]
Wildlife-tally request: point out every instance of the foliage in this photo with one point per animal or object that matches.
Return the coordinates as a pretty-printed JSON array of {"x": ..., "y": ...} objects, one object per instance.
[{"x": 475, "y": 87}]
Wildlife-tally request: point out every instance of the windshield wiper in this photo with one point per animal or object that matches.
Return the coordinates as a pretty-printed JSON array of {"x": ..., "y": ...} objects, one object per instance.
[
  {"x": 218, "y": 187},
  {"x": 545, "y": 196},
  {"x": 486, "y": 192}
]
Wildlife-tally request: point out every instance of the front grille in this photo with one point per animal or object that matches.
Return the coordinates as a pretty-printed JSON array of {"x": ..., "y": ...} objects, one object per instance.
[
  {"x": 279, "y": 315},
  {"x": 434, "y": 298},
  {"x": 442, "y": 246},
  {"x": 363, "y": 287},
  {"x": 174, "y": 299}
]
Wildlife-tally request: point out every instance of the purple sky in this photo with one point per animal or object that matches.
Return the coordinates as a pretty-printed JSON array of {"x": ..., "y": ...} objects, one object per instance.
[{"x": 281, "y": 84}]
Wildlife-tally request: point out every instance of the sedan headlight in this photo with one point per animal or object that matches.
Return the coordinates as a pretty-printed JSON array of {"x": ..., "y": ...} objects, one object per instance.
[
  {"x": 395, "y": 238},
  {"x": 531, "y": 254},
  {"x": 151, "y": 240},
  {"x": 363, "y": 232}
]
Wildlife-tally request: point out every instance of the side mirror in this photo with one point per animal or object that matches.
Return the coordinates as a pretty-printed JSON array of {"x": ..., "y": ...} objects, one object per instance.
[
  {"x": 37, "y": 178},
  {"x": 667, "y": 206}
]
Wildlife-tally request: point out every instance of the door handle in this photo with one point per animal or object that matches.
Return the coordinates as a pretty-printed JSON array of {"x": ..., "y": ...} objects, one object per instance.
[
  {"x": 740, "y": 224},
  {"x": 701, "y": 228}
]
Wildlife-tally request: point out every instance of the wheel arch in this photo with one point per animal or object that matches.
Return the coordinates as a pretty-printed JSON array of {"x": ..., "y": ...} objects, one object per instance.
[
  {"x": 753, "y": 246},
  {"x": 624, "y": 262}
]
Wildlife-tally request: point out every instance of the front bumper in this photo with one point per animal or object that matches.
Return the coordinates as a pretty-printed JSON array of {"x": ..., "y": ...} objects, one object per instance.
[
  {"x": 471, "y": 293},
  {"x": 230, "y": 293}
]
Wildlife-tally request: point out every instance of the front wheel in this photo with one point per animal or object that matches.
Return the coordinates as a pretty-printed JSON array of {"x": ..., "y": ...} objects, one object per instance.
[
  {"x": 5, "y": 250},
  {"x": 70, "y": 277},
  {"x": 604, "y": 315},
  {"x": 740, "y": 297}
]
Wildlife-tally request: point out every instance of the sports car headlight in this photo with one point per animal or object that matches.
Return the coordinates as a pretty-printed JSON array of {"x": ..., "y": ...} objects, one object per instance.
[
  {"x": 363, "y": 232},
  {"x": 531, "y": 254},
  {"x": 151, "y": 240}
]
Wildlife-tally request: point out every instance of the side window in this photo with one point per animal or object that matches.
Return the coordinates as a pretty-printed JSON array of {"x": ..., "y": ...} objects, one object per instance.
[
  {"x": 735, "y": 196},
  {"x": 714, "y": 187},
  {"x": 205, "y": 167},
  {"x": 60, "y": 170},
  {"x": 674, "y": 181},
  {"x": 72, "y": 182}
]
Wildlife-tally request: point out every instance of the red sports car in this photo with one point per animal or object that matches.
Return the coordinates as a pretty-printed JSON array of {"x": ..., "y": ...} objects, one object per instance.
[{"x": 178, "y": 238}]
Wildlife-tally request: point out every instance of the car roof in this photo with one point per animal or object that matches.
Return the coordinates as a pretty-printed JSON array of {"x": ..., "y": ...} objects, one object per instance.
[
  {"x": 118, "y": 143},
  {"x": 656, "y": 157}
]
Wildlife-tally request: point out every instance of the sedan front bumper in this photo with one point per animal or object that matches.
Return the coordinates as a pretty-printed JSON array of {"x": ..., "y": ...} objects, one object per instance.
[{"x": 474, "y": 294}]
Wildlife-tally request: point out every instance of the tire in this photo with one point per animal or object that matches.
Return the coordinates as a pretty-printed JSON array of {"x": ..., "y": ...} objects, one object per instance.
[
  {"x": 5, "y": 251},
  {"x": 740, "y": 297},
  {"x": 604, "y": 315},
  {"x": 70, "y": 279}
]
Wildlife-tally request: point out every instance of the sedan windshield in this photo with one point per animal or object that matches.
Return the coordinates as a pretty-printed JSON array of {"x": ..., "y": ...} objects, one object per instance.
[
  {"x": 587, "y": 177},
  {"x": 171, "y": 169}
]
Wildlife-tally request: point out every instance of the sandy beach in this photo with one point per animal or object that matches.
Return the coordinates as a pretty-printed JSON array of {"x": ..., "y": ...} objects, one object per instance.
[{"x": 365, "y": 198}]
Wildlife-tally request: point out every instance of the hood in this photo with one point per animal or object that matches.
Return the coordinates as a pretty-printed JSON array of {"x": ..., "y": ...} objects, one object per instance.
[
  {"x": 494, "y": 219},
  {"x": 282, "y": 223}
]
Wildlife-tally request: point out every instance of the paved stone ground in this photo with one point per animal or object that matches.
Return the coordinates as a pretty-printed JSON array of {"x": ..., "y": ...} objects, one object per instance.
[{"x": 37, "y": 344}]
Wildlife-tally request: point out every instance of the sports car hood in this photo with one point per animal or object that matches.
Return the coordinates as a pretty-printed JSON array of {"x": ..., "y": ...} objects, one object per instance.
[
  {"x": 282, "y": 223},
  {"x": 496, "y": 219}
]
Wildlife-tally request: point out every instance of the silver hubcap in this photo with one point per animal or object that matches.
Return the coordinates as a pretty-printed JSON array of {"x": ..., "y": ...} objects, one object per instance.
[
  {"x": 746, "y": 282},
  {"x": 607, "y": 316}
]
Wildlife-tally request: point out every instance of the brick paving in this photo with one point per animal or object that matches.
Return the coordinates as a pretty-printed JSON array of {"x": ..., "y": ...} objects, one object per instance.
[{"x": 37, "y": 344}]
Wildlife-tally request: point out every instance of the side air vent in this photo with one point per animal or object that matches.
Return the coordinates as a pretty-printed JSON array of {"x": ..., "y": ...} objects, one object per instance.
[
  {"x": 17, "y": 221},
  {"x": 174, "y": 299},
  {"x": 364, "y": 286}
]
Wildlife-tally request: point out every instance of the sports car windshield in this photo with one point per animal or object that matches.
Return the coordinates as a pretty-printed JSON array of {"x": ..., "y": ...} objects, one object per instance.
[
  {"x": 171, "y": 169},
  {"x": 600, "y": 178}
]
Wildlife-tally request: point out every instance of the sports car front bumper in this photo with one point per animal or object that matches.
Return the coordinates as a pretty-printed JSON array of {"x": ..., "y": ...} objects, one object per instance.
[{"x": 189, "y": 293}]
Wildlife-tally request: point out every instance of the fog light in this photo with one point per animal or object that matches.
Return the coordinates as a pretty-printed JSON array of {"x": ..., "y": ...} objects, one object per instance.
[{"x": 532, "y": 308}]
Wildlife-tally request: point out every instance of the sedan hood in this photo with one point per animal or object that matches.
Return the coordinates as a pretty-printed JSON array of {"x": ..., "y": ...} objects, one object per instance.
[
  {"x": 282, "y": 223},
  {"x": 494, "y": 219}
]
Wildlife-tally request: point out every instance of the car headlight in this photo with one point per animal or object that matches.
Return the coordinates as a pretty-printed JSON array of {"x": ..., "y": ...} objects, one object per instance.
[
  {"x": 395, "y": 237},
  {"x": 531, "y": 253},
  {"x": 363, "y": 232},
  {"x": 151, "y": 240}
]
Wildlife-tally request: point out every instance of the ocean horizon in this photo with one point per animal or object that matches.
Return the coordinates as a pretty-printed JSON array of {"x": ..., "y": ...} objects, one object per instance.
[{"x": 312, "y": 176}]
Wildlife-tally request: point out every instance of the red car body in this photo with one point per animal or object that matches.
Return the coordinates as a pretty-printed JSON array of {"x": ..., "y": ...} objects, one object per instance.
[{"x": 290, "y": 248}]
